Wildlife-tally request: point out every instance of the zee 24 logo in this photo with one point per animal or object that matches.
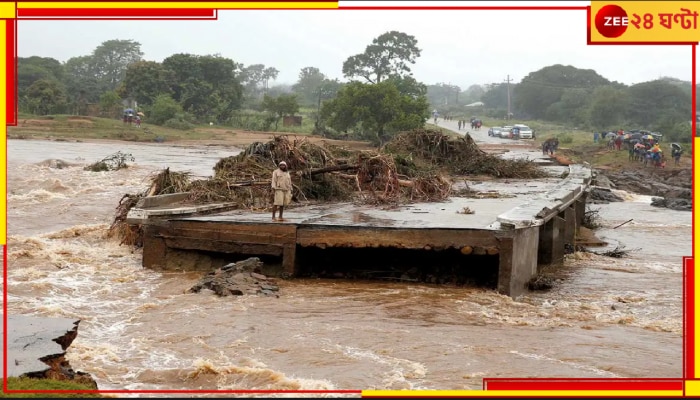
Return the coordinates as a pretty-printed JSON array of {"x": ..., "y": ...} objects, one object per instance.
[{"x": 612, "y": 20}]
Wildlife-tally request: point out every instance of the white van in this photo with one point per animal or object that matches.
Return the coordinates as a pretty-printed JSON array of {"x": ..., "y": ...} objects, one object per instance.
[{"x": 525, "y": 131}]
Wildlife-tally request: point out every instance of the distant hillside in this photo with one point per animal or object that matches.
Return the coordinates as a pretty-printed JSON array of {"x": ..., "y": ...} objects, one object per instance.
[{"x": 685, "y": 85}]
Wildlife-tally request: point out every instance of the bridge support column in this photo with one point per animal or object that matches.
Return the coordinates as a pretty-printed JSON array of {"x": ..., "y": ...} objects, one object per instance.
[
  {"x": 569, "y": 216},
  {"x": 580, "y": 206},
  {"x": 551, "y": 242},
  {"x": 154, "y": 248},
  {"x": 289, "y": 259},
  {"x": 518, "y": 261}
]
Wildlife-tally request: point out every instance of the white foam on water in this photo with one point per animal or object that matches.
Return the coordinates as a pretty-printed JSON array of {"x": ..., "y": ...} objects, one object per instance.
[
  {"x": 36, "y": 196},
  {"x": 632, "y": 197},
  {"x": 401, "y": 373},
  {"x": 587, "y": 368}
]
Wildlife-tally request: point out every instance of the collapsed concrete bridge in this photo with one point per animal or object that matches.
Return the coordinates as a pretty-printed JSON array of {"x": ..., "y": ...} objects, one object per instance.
[{"x": 510, "y": 235}]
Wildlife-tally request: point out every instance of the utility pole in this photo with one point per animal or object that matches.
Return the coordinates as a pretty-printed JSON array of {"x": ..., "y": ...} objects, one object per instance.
[{"x": 508, "y": 88}]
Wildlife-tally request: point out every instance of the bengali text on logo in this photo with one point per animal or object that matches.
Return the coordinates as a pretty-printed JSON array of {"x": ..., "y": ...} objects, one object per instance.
[{"x": 647, "y": 21}]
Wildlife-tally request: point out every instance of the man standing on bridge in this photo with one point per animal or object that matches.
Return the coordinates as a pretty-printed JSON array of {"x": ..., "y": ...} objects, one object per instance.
[{"x": 282, "y": 186}]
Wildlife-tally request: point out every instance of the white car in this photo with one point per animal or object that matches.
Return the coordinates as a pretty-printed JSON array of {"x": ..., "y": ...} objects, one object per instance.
[
  {"x": 495, "y": 131},
  {"x": 525, "y": 131}
]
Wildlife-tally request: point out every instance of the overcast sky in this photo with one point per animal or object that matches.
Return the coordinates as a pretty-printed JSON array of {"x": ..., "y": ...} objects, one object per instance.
[{"x": 462, "y": 47}]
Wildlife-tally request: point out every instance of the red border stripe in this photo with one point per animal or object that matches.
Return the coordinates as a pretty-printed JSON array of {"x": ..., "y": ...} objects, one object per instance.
[
  {"x": 493, "y": 384},
  {"x": 688, "y": 314},
  {"x": 579, "y": 384},
  {"x": 115, "y": 12},
  {"x": 11, "y": 71}
]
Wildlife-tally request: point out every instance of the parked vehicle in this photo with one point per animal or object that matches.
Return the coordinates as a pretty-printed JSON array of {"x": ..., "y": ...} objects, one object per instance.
[
  {"x": 506, "y": 132},
  {"x": 495, "y": 131},
  {"x": 525, "y": 132}
]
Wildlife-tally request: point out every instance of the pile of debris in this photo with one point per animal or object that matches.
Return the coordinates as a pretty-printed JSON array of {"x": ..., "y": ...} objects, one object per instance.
[
  {"x": 460, "y": 156},
  {"x": 413, "y": 167}
]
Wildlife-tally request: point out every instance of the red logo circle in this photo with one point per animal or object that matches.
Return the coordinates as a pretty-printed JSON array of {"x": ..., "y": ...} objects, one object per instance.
[{"x": 611, "y": 21}]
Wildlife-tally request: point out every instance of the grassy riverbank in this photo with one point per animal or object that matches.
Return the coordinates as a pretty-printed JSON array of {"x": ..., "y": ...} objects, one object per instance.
[
  {"x": 74, "y": 128},
  {"x": 576, "y": 144},
  {"x": 45, "y": 384}
]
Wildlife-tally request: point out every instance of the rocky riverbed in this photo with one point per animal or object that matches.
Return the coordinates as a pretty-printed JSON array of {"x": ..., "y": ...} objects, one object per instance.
[{"x": 671, "y": 188}]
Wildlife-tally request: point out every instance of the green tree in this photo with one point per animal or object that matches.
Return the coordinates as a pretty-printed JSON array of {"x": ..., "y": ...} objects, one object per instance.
[
  {"x": 252, "y": 78},
  {"x": 374, "y": 111},
  {"x": 283, "y": 88},
  {"x": 269, "y": 73},
  {"x": 164, "y": 108},
  {"x": 31, "y": 69},
  {"x": 198, "y": 98},
  {"x": 652, "y": 102},
  {"x": 542, "y": 88},
  {"x": 183, "y": 67},
  {"x": 572, "y": 107},
  {"x": 111, "y": 58},
  {"x": 408, "y": 86},
  {"x": 280, "y": 106},
  {"x": 472, "y": 94},
  {"x": 217, "y": 70},
  {"x": 389, "y": 54},
  {"x": 205, "y": 86},
  {"x": 110, "y": 103},
  {"x": 608, "y": 107},
  {"x": 443, "y": 94},
  {"x": 46, "y": 96},
  {"x": 307, "y": 87},
  {"x": 82, "y": 84},
  {"x": 328, "y": 89},
  {"x": 145, "y": 80},
  {"x": 496, "y": 97}
]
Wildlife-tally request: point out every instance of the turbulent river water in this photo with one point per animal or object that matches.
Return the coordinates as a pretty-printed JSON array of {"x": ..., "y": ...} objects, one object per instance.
[{"x": 605, "y": 317}]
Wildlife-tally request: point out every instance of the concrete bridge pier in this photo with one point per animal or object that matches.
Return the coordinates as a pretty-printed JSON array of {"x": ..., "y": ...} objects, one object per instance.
[
  {"x": 551, "y": 242},
  {"x": 569, "y": 215},
  {"x": 518, "y": 260},
  {"x": 580, "y": 206}
]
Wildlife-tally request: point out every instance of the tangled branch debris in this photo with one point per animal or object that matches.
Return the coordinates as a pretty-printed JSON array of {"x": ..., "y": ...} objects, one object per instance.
[
  {"x": 112, "y": 162},
  {"x": 131, "y": 235},
  {"x": 459, "y": 156},
  {"x": 540, "y": 282},
  {"x": 412, "y": 167},
  {"x": 617, "y": 252},
  {"x": 591, "y": 219},
  {"x": 167, "y": 182}
]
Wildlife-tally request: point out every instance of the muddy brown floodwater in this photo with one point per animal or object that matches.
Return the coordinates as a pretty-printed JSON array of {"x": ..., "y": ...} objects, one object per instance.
[{"x": 605, "y": 317}]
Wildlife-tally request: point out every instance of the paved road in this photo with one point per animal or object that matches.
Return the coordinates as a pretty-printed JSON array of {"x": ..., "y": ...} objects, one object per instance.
[
  {"x": 516, "y": 148},
  {"x": 479, "y": 136}
]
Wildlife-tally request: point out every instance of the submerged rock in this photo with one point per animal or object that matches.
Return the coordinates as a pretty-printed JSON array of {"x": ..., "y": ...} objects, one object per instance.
[
  {"x": 237, "y": 279},
  {"x": 673, "y": 203},
  {"x": 602, "y": 195}
]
